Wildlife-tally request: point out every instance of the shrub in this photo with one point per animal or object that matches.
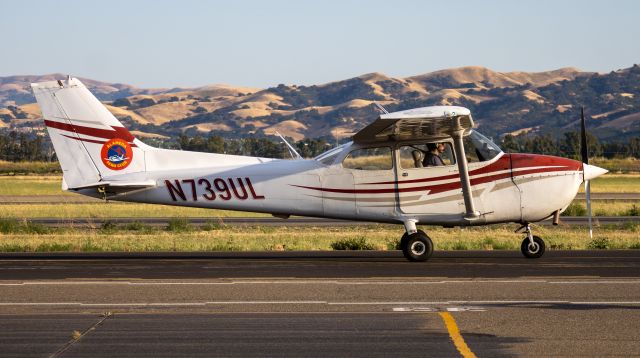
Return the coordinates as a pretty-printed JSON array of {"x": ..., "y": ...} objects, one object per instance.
[
  {"x": 212, "y": 225},
  {"x": 359, "y": 243},
  {"x": 8, "y": 226},
  {"x": 178, "y": 224},
  {"x": 54, "y": 247},
  {"x": 89, "y": 246},
  {"x": 599, "y": 244},
  {"x": 633, "y": 211},
  {"x": 136, "y": 226},
  {"x": 575, "y": 209},
  {"x": 108, "y": 225},
  {"x": 459, "y": 245}
]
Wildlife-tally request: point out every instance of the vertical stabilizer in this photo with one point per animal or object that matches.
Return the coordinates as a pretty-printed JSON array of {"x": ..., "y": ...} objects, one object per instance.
[{"x": 89, "y": 141}]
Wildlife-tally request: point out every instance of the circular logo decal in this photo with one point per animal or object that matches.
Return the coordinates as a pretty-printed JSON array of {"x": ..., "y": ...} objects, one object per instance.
[{"x": 116, "y": 154}]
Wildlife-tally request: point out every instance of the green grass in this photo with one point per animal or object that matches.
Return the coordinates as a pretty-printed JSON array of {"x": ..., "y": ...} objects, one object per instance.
[
  {"x": 112, "y": 210},
  {"x": 603, "y": 208},
  {"x": 623, "y": 165},
  {"x": 615, "y": 183},
  {"x": 19, "y": 237},
  {"x": 22, "y": 226},
  {"x": 31, "y": 185},
  {"x": 17, "y": 168},
  {"x": 352, "y": 243}
]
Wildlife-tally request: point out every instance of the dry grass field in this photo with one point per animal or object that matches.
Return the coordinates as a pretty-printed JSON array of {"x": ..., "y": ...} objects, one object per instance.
[{"x": 178, "y": 236}]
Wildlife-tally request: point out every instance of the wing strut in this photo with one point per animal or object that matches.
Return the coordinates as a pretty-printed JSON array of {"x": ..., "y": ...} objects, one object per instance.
[{"x": 458, "y": 147}]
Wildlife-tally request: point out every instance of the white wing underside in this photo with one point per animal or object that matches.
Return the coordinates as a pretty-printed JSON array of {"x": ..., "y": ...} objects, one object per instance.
[{"x": 426, "y": 123}]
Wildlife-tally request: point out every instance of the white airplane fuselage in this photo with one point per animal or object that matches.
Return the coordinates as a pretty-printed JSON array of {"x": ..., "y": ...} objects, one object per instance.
[{"x": 508, "y": 188}]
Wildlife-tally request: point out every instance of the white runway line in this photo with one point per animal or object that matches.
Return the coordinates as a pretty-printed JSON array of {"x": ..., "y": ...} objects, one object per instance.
[
  {"x": 302, "y": 282},
  {"x": 375, "y": 303}
]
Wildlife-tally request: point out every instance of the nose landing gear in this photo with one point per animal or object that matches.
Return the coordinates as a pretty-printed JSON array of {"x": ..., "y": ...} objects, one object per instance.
[{"x": 532, "y": 246}]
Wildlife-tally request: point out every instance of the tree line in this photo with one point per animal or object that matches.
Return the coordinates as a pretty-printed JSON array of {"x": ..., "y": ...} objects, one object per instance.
[
  {"x": 16, "y": 147},
  {"x": 20, "y": 147},
  {"x": 569, "y": 146},
  {"x": 252, "y": 146}
]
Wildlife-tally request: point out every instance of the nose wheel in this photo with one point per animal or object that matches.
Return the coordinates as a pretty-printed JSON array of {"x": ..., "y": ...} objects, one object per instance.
[
  {"x": 532, "y": 246},
  {"x": 417, "y": 246}
]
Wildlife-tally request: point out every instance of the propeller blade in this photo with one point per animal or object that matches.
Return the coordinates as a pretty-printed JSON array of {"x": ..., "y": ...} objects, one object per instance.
[{"x": 584, "y": 151}]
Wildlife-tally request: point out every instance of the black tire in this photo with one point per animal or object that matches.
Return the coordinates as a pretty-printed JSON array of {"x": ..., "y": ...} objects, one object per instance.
[
  {"x": 417, "y": 247},
  {"x": 532, "y": 252},
  {"x": 405, "y": 237}
]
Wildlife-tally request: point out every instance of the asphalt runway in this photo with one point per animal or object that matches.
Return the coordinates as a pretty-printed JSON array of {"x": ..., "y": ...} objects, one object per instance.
[{"x": 320, "y": 304}]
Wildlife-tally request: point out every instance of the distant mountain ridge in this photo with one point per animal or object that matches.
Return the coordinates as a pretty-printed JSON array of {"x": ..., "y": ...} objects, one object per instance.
[{"x": 501, "y": 102}]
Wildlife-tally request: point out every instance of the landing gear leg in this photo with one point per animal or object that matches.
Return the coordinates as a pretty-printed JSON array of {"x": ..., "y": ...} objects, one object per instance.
[
  {"x": 532, "y": 246},
  {"x": 415, "y": 244}
]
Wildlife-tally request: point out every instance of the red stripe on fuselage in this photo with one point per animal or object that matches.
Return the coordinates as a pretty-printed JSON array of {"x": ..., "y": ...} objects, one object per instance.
[
  {"x": 117, "y": 132},
  {"x": 506, "y": 162},
  {"x": 439, "y": 188},
  {"x": 501, "y": 164}
]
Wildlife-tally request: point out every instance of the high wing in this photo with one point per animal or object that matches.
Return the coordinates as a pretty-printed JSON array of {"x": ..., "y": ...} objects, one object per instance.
[{"x": 428, "y": 123}]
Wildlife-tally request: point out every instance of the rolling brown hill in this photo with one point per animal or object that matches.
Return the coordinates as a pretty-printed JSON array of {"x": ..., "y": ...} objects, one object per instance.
[{"x": 502, "y": 102}]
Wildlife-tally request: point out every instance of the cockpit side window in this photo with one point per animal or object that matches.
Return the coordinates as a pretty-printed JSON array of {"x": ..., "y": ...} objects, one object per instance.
[
  {"x": 426, "y": 155},
  {"x": 378, "y": 158}
]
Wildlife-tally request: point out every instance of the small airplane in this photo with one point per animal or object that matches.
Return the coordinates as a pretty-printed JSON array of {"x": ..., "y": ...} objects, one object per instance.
[{"x": 424, "y": 166}]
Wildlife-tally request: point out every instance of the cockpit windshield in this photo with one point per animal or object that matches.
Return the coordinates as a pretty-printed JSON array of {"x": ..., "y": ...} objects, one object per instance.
[
  {"x": 328, "y": 157},
  {"x": 479, "y": 148}
]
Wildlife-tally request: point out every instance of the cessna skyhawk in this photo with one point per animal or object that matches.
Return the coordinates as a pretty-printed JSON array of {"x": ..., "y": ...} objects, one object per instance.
[{"x": 387, "y": 174}]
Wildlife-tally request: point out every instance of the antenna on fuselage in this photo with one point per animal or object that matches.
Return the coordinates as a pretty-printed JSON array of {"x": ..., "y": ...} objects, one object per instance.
[
  {"x": 380, "y": 108},
  {"x": 294, "y": 153}
]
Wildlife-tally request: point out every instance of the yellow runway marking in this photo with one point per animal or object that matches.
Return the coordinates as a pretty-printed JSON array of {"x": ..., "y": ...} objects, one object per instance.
[{"x": 455, "y": 335}]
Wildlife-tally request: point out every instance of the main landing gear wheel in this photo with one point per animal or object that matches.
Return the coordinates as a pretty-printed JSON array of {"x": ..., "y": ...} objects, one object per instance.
[
  {"x": 405, "y": 237},
  {"x": 417, "y": 246},
  {"x": 532, "y": 250}
]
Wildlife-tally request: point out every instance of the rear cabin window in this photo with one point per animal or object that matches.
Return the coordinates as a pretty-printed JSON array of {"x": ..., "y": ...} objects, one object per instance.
[
  {"x": 369, "y": 159},
  {"x": 424, "y": 155}
]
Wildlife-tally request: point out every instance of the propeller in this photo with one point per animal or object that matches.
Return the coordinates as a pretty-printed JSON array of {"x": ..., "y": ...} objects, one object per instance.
[{"x": 584, "y": 152}]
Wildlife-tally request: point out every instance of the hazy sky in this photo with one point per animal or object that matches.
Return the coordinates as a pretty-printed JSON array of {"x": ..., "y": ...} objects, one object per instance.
[{"x": 264, "y": 43}]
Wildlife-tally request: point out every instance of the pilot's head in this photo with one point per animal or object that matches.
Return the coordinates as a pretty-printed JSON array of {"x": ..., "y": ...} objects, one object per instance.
[{"x": 432, "y": 147}]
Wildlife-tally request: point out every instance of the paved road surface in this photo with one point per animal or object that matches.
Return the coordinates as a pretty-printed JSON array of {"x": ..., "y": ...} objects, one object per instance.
[{"x": 320, "y": 304}]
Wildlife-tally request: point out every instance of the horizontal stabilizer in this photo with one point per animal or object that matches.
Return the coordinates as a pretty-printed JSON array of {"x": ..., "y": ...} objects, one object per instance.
[{"x": 119, "y": 185}]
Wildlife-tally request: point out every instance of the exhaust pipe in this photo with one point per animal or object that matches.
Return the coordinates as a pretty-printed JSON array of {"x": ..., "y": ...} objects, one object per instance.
[{"x": 556, "y": 217}]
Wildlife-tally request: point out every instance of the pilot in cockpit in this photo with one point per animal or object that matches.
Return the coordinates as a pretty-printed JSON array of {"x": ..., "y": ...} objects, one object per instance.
[{"x": 432, "y": 157}]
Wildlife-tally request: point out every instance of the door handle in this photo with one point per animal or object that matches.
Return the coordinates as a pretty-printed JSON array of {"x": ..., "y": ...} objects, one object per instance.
[{"x": 405, "y": 174}]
